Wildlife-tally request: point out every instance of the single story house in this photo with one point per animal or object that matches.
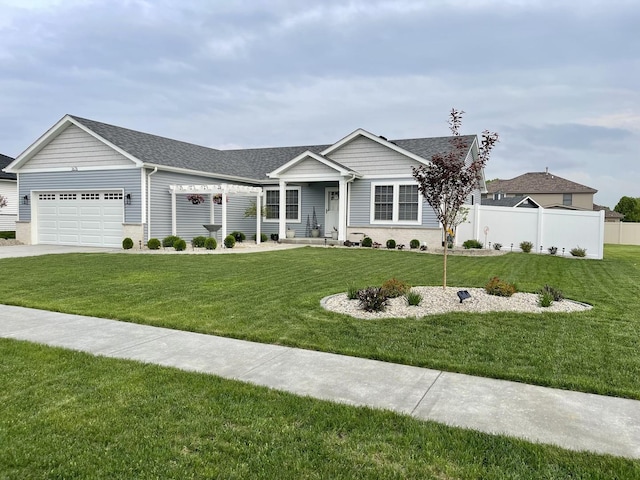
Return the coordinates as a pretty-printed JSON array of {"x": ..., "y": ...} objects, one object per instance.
[
  {"x": 610, "y": 216},
  {"x": 85, "y": 182},
  {"x": 9, "y": 191}
]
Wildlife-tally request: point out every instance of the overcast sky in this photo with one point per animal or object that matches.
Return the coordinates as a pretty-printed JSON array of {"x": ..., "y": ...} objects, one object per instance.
[{"x": 559, "y": 80}]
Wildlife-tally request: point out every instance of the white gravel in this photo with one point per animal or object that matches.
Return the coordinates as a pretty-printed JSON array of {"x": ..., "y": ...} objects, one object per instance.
[{"x": 436, "y": 300}]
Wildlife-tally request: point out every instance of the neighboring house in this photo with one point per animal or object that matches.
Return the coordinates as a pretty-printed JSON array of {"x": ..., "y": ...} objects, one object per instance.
[
  {"x": 9, "y": 190},
  {"x": 546, "y": 189},
  {"x": 512, "y": 202},
  {"x": 89, "y": 183},
  {"x": 610, "y": 216}
]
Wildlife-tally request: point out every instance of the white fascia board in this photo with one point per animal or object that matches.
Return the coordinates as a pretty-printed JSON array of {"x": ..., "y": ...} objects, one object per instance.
[
  {"x": 201, "y": 173},
  {"x": 363, "y": 133},
  {"x": 303, "y": 156},
  {"x": 525, "y": 199},
  {"x": 312, "y": 178},
  {"x": 79, "y": 169}
]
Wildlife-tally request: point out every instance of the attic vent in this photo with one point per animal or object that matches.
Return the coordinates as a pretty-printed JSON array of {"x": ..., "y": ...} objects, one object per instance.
[{"x": 384, "y": 138}]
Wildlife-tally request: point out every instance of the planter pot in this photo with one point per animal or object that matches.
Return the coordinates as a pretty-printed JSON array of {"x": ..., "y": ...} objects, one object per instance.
[
  {"x": 315, "y": 233},
  {"x": 334, "y": 235},
  {"x": 291, "y": 233}
]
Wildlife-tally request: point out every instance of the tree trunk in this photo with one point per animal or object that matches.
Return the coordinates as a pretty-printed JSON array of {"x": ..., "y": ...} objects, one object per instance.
[{"x": 444, "y": 266}]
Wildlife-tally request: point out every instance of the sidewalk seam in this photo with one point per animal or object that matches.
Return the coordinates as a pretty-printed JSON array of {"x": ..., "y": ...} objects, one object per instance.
[{"x": 425, "y": 393}]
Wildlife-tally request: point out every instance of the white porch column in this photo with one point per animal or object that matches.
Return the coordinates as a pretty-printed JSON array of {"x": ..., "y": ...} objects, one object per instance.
[
  {"x": 342, "y": 210},
  {"x": 174, "y": 228},
  {"x": 258, "y": 218},
  {"x": 212, "y": 213},
  {"x": 282, "y": 222},
  {"x": 224, "y": 217}
]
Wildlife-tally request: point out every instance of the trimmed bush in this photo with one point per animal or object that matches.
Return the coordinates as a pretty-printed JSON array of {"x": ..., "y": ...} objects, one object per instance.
[
  {"x": 367, "y": 242},
  {"x": 497, "y": 246},
  {"x": 414, "y": 243},
  {"x": 500, "y": 288},
  {"x": 553, "y": 250},
  {"x": 391, "y": 243},
  {"x": 230, "y": 241},
  {"x": 471, "y": 243},
  {"x": 8, "y": 235},
  {"x": 413, "y": 298},
  {"x": 556, "y": 295},
  {"x": 372, "y": 299},
  {"x": 578, "y": 252},
  {"x": 239, "y": 236},
  {"x": 394, "y": 288},
  {"x": 168, "y": 242},
  {"x": 198, "y": 242},
  {"x": 263, "y": 237},
  {"x": 127, "y": 243},
  {"x": 180, "y": 245},
  {"x": 526, "y": 246},
  {"x": 210, "y": 243},
  {"x": 153, "y": 244},
  {"x": 545, "y": 299},
  {"x": 274, "y": 237}
]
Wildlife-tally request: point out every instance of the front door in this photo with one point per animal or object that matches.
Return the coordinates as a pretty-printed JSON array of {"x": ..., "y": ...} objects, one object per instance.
[{"x": 332, "y": 204}]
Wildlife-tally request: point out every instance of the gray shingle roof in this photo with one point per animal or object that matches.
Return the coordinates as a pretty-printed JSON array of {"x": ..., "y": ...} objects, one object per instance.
[
  {"x": 252, "y": 163},
  {"x": 507, "y": 202},
  {"x": 608, "y": 213},
  {"x": 537, "y": 182},
  {"x": 4, "y": 162}
]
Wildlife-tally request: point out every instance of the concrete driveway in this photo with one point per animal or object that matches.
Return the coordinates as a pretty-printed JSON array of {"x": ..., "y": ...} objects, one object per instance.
[{"x": 13, "y": 251}]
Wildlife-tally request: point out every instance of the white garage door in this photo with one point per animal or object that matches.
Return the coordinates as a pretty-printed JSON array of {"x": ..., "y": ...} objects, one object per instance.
[{"x": 80, "y": 218}]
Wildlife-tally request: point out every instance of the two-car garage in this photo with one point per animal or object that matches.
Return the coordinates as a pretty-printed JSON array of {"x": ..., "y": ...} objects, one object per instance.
[{"x": 91, "y": 218}]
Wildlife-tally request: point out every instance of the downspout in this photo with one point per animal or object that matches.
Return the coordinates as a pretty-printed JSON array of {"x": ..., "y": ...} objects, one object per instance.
[{"x": 155, "y": 169}]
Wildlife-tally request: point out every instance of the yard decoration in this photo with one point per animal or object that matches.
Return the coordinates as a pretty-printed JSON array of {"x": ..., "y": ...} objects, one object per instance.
[
  {"x": 447, "y": 182},
  {"x": 195, "y": 199}
]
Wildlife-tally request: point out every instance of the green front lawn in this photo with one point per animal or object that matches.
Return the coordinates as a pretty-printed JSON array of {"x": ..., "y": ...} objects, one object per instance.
[
  {"x": 274, "y": 297},
  {"x": 69, "y": 415}
]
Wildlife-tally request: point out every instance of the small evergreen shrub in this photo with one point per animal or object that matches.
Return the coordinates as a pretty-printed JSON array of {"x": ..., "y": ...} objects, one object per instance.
[
  {"x": 180, "y": 245},
  {"x": 556, "y": 295},
  {"x": 198, "y": 242},
  {"x": 553, "y": 250},
  {"x": 413, "y": 298},
  {"x": 414, "y": 243},
  {"x": 263, "y": 237},
  {"x": 497, "y": 246},
  {"x": 367, "y": 242},
  {"x": 471, "y": 243},
  {"x": 352, "y": 292},
  {"x": 275, "y": 237},
  {"x": 372, "y": 299},
  {"x": 153, "y": 244},
  {"x": 210, "y": 243},
  {"x": 168, "y": 242},
  {"x": 127, "y": 243},
  {"x": 230, "y": 241},
  {"x": 526, "y": 246},
  {"x": 239, "y": 236},
  {"x": 394, "y": 288},
  {"x": 500, "y": 288},
  {"x": 578, "y": 252},
  {"x": 8, "y": 235},
  {"x": 391, "y": 244},
  {"x": 545, "y": 299}
]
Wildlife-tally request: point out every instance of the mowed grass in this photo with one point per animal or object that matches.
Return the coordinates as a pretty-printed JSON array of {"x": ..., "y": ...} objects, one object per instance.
[
  {"x": 66, "y": 414},
  {"x": 273, "y": 297}
]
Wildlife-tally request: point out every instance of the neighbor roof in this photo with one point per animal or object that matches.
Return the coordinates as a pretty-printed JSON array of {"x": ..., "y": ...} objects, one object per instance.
[
  {"x": 608, "y": 213},
  {"x": 5, "y": 161},
  {"x": 537, "y": 182},
  {"x": 252, "y": 163},
  {"x": 510, "y": 202}
]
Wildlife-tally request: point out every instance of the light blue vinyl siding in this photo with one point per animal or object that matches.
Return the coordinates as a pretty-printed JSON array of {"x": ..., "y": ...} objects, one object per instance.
[
  {"x": 128, "y": 180},
  {"x": 360, "y": 211}
]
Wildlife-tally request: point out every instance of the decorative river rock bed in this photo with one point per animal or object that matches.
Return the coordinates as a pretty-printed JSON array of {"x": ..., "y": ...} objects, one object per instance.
[{"x": 438, "y": 300}]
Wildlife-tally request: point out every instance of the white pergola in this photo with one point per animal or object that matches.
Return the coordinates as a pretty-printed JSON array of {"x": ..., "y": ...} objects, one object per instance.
[{"x": 225, "y": 190}]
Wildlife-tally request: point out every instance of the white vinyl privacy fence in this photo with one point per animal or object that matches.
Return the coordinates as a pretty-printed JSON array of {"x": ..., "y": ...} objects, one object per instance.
[{"x": 543, "y": 227}]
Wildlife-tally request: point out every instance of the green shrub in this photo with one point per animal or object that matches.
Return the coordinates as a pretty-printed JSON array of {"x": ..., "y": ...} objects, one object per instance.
[
  {"x": 372, "y": 299},
  {"x": 556, "y": 294},
  {"x": 8, "y": 235},
  {"x": 367, "y": 242},
  {"x": 168, "y": 242},
  {"x": 394, "y": 288},
  {"x": 471, "y": 243},
  {"x": 127, "y": 243},
  {"x": 180, "y": 245},
  {"x": 198, "y": 242},
  {"x": 153, "y": 244},
  {"x": 230, "y": 241},
  {"x": 263, "y": 237},
  {"x": 545, "y": 299},
  {"x": 413, "y": 298},
  {"x": 497, "y": 246},
  {"x": 414, "y": 243},
  {"x": 553, "y": 250},
  {"x": 239, "y": 236},
  {"x": 210, "y": 243},
  {"x": 578, "y": 252},
  {"x": 391, "y": 243},
  {"x": 352, "y": 292},
  {"x": 526, "y": 246},
  {"x": 500, "y": 288}
]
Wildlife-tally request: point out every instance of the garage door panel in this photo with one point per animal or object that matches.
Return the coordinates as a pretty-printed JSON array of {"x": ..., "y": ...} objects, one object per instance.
[{"x": 64, "y": 210}]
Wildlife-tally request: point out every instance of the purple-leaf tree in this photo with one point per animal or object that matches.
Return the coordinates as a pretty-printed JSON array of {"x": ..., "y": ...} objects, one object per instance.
[{"x": 450, "y": 178}]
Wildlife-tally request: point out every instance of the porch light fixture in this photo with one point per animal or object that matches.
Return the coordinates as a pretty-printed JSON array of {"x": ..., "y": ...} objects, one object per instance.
[
  {"x": 127, "y": 199},
  {"x": 25, "y": 200}
]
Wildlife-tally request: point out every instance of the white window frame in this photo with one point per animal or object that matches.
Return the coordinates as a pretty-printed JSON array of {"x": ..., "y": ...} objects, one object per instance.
[
  {"x": 396, "y": 204},
  {"x": 288, "y": 220}
]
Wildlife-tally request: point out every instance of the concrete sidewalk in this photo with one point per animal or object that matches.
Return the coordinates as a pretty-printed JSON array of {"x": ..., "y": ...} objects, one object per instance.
[{"x": 573, "y": 420}]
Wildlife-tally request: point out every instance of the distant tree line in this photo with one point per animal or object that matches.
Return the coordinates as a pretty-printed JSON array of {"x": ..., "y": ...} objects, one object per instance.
[{"x": 630, "y": 208}]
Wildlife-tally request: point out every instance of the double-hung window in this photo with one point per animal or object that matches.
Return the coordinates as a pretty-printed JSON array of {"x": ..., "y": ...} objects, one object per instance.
[
  {"x": 272, "y": 204},
  {"x": 396, "y": 202}
]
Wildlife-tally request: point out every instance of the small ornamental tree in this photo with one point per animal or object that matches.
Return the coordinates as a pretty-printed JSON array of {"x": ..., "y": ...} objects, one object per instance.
[{"x": 447, "y": 181}]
